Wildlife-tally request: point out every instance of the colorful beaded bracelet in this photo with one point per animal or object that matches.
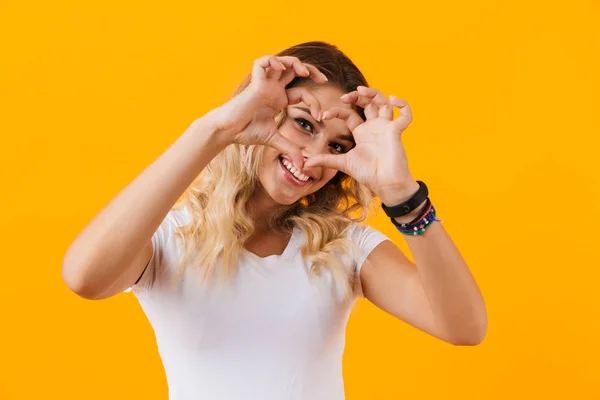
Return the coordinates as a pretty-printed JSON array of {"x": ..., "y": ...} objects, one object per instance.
[{"x": 420, "y": 224}]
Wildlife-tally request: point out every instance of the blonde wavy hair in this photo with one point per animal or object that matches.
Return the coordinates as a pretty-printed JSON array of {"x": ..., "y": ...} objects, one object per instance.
[{"x": 218, "y": 197}]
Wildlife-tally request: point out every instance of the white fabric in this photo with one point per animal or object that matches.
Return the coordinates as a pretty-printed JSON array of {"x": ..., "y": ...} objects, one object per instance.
[{"x": 272, "y": 333}]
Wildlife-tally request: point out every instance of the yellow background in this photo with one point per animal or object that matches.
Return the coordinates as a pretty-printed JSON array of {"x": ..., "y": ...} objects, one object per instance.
[{"x": 505, "y": 133}]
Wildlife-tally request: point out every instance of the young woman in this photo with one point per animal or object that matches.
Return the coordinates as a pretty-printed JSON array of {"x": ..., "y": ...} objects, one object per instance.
[{"x": 249, "y": 280}]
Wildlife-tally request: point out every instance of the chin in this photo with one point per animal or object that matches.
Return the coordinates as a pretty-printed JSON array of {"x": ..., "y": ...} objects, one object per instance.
[{"x": 283, "y": 200}]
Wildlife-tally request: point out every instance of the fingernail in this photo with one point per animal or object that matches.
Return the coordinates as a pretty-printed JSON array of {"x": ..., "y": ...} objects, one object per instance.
[{"x": 306, "y": 70}]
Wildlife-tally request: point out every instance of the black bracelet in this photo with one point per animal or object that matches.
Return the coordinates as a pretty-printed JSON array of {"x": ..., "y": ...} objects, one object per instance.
[
  {"x": 409, "y": 225},
  {"x": 409, "y": 205}
]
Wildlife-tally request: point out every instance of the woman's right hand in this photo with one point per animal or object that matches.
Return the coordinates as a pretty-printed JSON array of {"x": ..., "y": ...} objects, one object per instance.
[{"x": 249, "y": 117}]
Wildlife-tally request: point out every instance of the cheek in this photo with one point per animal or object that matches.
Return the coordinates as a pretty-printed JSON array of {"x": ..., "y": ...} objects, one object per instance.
[
  {"x": 293, "y": 134},
  {"x": 268, "y": 159},
  {"x": 269, "y": 153},
  {"x": 329, "y": 173},
  {"x": 265, "y": 167}
]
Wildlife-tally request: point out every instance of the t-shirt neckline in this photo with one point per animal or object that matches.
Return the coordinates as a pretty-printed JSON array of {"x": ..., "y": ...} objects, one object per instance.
[{"x": 287, "y": 252}]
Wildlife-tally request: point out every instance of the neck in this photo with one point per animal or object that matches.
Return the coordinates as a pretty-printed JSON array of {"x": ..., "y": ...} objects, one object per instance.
[{"x": 261, "y": 207}]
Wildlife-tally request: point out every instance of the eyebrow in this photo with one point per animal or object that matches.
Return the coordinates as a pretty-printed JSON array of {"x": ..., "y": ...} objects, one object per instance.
[{"x": 347, "y": 137}]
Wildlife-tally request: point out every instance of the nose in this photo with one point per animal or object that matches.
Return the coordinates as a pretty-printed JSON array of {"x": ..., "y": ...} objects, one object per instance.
[
  {"x": 313, "y": 147},
  {"x": 307, "y": 154}
]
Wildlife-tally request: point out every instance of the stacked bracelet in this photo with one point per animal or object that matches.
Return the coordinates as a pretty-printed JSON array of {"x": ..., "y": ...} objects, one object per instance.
[{"x": 420, "y": 223}]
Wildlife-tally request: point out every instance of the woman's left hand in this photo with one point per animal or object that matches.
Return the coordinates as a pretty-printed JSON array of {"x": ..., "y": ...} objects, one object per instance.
[{"x": 378, "y": 160}]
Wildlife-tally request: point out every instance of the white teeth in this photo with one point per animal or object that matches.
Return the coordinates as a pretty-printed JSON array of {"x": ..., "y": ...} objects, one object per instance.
[
  {"x": 294, "y": 171},
  {"x": 300, "y": 176}
]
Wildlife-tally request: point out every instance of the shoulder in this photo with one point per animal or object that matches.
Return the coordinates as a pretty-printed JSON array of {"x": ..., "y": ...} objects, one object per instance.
[
  {"x": 364, "y": 235},
  {"x": 179, "y": 215},
  {"x": 166, "y": 250},
  {"x": 163, "y": 239},
  {"x": 366, "y": 238}
]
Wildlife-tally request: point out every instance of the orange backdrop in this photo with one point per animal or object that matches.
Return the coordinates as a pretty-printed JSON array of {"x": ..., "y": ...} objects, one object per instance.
[{"x": 505, "y": 132}]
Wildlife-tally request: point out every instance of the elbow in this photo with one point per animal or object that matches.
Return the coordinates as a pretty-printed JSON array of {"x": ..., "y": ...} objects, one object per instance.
[
  {"x": 472, "y": 329},
  {"x": 74, "y": 281},
  {"x": 473, "y": 339},
  {"x": 473, "y": 336},
  {"x": 75, "y": 278}
]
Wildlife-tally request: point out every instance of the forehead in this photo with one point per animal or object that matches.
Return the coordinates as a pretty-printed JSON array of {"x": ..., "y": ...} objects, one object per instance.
[{"x": 328, "y": 96}]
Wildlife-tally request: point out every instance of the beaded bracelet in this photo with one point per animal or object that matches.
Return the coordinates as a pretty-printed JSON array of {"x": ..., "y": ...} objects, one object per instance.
[
  {"x": 423, "y": 211},
  {"x": 421, "y": 223}
]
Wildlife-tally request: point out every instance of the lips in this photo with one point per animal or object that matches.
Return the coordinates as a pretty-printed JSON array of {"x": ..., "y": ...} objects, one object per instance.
[
  {"x": 291, "y": 178},
  {"x": 311, "y": 174}
]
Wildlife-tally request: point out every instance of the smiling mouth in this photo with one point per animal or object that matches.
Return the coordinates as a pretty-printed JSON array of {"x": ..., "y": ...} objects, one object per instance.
[{"x": 297, "y": 179}]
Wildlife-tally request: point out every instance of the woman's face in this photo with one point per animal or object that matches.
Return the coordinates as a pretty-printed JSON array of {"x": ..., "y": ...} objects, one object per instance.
[{"x": 331, "y": 136}]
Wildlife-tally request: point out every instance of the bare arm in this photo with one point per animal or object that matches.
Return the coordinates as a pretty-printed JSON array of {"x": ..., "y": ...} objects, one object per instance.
[
  {"x": 436, "y": 293},
  {"x": 111, "y": 252}
]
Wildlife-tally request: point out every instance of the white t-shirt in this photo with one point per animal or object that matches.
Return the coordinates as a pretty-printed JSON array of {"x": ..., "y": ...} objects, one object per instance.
[{"x": 271, "y": 333}]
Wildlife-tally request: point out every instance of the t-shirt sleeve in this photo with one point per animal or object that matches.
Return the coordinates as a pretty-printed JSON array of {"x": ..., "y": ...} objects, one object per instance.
[
  {"x": 367, "y": 238},
  {"x": 165, "y": 250}
]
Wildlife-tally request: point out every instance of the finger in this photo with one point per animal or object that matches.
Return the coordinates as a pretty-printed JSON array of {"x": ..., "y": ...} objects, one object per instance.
[
  {"x": 371, "y": 110},
  {"x": 335, "y": 161},
  {"x": 302, "y": 69},
  {"x": 315, "y": 74},
  {"x": 372, "y": 100},
  {"x": 386, "y": 111},
  {"x": 385, "y": 108},
  {"x": 275, "y": 68},
  {"x": 259, "y": 67},
  {"x": 300, "y": 94},
  {"x": 350, "y": 117},
  {"x": 282, "y": 144},
  {"x": 405, "y": 112},
  {"x": 355, "y": 98},
  {"x": 287, "y": 76},
  {"x": 295, "y": 64},
  {"x": 372, "y": 95}
]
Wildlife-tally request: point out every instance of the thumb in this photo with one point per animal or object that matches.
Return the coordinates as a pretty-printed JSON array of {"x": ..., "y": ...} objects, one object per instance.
[
  {"x": 335, "y": 161},
  {"x": 288, "y": 148}
]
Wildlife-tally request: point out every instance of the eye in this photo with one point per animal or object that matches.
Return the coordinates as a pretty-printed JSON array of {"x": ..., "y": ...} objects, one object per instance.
[
  {"x": 342, "y": 149},
  {"x": 302, "y": 122}
]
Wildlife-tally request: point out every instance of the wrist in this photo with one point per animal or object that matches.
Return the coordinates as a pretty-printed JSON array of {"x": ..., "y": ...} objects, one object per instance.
[
  {"x": 232, "y": 117},
  {"x": 395, "y": 195},
  {"x": 411, "y": 215},
  {"x": 211, "y": 128}
]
